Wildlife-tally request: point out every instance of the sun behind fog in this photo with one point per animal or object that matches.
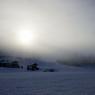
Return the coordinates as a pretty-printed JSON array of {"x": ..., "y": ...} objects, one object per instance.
[{"x": 25, "y": 37}]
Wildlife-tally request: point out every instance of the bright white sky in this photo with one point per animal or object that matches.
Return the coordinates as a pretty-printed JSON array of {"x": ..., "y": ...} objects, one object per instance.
[{"x": 51, "y": 25}]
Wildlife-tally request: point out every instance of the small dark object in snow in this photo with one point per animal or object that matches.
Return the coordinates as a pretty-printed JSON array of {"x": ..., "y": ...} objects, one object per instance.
[
  {"x": 33, "y": 67},
  {"x": 49, "y": 70}
]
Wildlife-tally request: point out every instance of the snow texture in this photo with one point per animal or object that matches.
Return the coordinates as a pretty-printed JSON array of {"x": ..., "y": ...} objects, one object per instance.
[{"x": 69, "y": 81}]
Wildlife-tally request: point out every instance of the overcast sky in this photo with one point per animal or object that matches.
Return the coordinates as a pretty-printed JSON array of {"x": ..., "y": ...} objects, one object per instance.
[{"x": 59, "y": 25}]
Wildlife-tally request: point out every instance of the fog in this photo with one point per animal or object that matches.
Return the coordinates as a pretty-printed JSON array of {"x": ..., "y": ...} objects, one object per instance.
[{"x": 58, "y": 27}]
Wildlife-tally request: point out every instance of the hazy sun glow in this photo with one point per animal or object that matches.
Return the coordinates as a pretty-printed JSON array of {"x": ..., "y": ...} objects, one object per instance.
[{"x": 25, "y": 37}]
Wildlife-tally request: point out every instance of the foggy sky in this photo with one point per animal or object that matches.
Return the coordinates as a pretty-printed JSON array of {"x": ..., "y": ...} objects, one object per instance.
[{"x": 60, "y": 25}]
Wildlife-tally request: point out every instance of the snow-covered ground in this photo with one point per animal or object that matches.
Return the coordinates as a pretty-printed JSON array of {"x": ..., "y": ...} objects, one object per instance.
[{"x": 66, "y": 82}]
